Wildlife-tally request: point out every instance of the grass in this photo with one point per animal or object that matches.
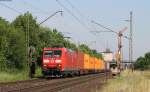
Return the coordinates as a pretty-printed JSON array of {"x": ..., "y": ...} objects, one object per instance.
[
  {"x": 17, "y": 75},
  {"x": 13, "y": 76},
  {"x": 38, "y": 72},
  {"x": 137, "y": 81}
]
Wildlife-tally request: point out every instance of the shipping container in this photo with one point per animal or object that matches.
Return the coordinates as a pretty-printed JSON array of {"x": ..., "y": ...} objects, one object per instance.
[
  {"x": 86, "y": 61},
  {"x": 80, "y": 59}
]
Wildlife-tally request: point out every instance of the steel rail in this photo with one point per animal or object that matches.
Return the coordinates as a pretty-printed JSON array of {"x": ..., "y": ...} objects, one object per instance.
[{"x": 51, "y": 84}]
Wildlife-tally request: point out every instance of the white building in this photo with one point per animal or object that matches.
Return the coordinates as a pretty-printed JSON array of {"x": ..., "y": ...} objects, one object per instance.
[{"x": 108, "y": 57}]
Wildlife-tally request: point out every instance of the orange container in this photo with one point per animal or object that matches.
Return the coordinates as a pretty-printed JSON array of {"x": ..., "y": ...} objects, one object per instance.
[
  {"x": 102, "y": 64},
  {"x": 90, "y": 62},
  {"x": 99, "y": 64},
  {"x": 95, "y": 63},
  {"x": 86, "y": 62}
]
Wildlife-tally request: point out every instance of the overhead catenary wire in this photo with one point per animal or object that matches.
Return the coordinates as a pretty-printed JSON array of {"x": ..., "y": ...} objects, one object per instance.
[
  {"x": 80, "y": 14},
  {"x": 84, "y": 17},
  {"x": 77, "y": 10},
  {"x": 13, "y": 9},
  {"x": 104, "y": 27},
  {"x": 82, "y": 23},
  {"x": 94, "y": 32},
  {"x": 108, "y": 29},
  {"x": 72, "y": 14},
  {"x": 34, "y": 7}
]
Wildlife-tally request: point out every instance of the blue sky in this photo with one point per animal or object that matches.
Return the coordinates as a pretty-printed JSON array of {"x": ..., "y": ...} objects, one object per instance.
[{"x": 110, "y": 13}]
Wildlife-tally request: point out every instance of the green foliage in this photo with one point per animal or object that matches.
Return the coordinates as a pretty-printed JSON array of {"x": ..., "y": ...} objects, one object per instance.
[
  {"x": 84, "y": 48},
  {"x": 11, "y": 55},
  {"x": 24, "y": 31},
  {"x": 28, "y": 25},
  {"x": 3, "y": 61},
  {"x": 143, "y": 62},
  {"x": 147, "y": 60},
  {"x": 140, "y": 63},
  {"x": 13, "y": 76},
  {"x": 16, "y": 51}
]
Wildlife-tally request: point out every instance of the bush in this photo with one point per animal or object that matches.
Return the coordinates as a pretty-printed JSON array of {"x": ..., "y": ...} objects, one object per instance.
[{"x": 143, "y": 63}]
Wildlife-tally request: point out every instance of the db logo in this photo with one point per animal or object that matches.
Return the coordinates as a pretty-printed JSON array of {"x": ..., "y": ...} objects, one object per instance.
[{"x": 52, "y": 60}]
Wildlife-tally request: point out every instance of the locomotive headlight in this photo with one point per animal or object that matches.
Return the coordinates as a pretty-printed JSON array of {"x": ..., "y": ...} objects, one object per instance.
[
  {"x": 58, "y": 61},
  {"x": 46, "y": 61}
]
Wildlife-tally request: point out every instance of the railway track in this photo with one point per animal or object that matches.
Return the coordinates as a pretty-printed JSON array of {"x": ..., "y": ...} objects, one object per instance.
[
  {"x": 72, "y": 83},
  {"x": 43, "y": 85},
  {"x": 5, "y": 87}
]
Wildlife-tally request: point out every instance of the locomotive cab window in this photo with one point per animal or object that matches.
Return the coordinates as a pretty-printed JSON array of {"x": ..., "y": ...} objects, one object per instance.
[
  {"x": 48, "y": 53},
  {"x": 57, "y": 53}
]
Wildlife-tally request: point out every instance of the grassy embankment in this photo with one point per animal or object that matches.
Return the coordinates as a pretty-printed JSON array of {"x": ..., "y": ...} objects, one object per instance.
[
  {"x": 16, "y": 75},
  {"x": 137, "y": 81}
]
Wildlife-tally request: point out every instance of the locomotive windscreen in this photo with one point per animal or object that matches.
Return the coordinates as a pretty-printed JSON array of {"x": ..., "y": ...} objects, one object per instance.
[
  {"x": 51, "y": 53},
  {"x": 48, "y": 53},
  {"x": 57, "y": 53}
]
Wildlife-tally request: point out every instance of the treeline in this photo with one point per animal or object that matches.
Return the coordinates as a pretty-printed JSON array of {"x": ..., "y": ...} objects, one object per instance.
[
  {"x": 143, "y": 63},
  {"x": 24, "y": 31}
]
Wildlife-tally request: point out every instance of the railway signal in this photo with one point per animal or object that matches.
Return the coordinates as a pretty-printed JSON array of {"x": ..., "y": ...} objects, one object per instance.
[
  {"x": 32, "y": 61},
  {"x": 118, "y": 60}
]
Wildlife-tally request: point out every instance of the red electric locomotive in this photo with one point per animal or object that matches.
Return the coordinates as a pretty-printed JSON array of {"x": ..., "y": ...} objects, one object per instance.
[{"x": 59, "y": 62}]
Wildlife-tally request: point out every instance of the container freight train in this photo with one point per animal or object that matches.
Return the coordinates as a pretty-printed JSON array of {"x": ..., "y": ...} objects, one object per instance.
[{"x": 60, "y": 62}]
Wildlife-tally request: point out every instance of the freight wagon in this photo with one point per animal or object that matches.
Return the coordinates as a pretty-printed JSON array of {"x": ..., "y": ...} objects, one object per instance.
[{"x": 63, "y": 62}]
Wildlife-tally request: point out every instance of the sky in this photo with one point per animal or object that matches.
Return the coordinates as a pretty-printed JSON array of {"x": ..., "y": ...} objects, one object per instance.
[{"x": 78, "y": 14}]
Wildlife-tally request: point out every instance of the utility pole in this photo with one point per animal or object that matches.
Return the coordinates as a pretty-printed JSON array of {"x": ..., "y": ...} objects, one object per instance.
[
  {"x": 131, "y": 39},
  {"x": 27, "y": 43},
  {"x": 130, "y": 20}
]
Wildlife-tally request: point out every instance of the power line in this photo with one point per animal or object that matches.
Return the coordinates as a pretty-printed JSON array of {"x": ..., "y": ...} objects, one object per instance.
[
  {"x": 80, "y": 14},
  {"x": 108, "y": 29},
  {"x": 104, "y": 27},
  {"x": 86, "y": 19},
  {"x": 83, "y": 24},
  {"x": 73, "y": 7},
  {"x": 36, "y": 8},
  {"x": 94, "y": 32},
  {"x": 13, "y": 9}
]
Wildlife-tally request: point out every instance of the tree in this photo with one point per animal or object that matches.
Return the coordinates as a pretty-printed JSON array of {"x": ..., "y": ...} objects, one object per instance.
[
  {"x": 143, "y": 62},
  {"x": 140, "y": 63},
  {"x": 27, "y": 23},
  {"x": 84, "y": 48},
  {"x": 11, "y": 41},
  {"x": 29, "y": 27},
  {"x": 147, "y": 60}
]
